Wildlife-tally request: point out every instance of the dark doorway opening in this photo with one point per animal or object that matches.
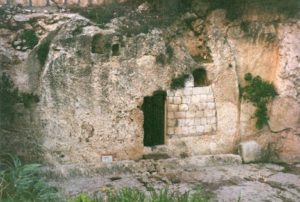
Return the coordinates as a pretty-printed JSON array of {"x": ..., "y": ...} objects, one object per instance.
[
  {"x": 115, "y": 49},
  {"x": 154, "y": 119},
  {"x": 200, "y": 77}
]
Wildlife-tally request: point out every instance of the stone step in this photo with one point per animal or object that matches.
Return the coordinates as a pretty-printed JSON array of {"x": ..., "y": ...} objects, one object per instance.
[{"x": 193, "y": 163}]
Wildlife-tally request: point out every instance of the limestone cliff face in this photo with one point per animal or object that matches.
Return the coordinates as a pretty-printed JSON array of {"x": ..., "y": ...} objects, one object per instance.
[{"x": 94, "y": 80}]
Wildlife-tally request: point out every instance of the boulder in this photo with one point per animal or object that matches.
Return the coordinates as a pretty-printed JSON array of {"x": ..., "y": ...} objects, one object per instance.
[{"x": 250, "y": 151}]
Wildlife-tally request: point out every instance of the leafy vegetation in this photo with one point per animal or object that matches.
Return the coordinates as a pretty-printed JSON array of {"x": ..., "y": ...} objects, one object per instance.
[
  {"x": 22, "y": 182},
  {"x": 259, "y": 93},
  {"x": 10, "y": 96},
  {"x": 30, "y": 38},
  {"x": 162, "y": 13},
  {"x": 135, "y": 195},
  {"x": 43, "y": 51},
  {"x": 235, "y": 8},
  {"x": 179, "y": 82}
]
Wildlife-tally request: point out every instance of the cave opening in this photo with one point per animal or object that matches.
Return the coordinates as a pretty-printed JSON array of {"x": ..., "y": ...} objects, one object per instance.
[
  {"x": 154, "y": 118},
  {"x": 115, "y": 50},
  {"x": 200, "y": 77}
]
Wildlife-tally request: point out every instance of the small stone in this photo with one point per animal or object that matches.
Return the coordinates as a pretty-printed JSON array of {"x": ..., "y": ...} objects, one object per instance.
[
  {"x": 183, "y": 107},
  {"x": 199, "y": 129},
  {"x": 180, "y": 115},
  {"x": 188, "y": 91},
  {"x": 172, "y": 107},
  {"x": 177, "y": 100},
  {"x": 250, "y": 151},
  {"x": 170, "y": 115},
  {"x": 17, "y": 43},
  {"x": 171, "y": 122},
  {"x": 207, "y": 128},
  {"x": 190, "y": 114}
]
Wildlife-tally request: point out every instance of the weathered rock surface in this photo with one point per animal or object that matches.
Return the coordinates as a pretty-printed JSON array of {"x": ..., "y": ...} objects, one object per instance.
[
  {"x": 229, "y": 181},
  {"x": 93, "y": 81},
  {"x": 250, "y": 151}
]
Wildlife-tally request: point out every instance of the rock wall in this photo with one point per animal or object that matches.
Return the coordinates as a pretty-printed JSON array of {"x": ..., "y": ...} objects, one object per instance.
[
  {"x": 41, "y": 3},
  {"x": 91, "y": 95}
]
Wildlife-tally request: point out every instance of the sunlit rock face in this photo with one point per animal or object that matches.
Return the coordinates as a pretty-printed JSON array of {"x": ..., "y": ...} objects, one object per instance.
[{"x": 93, "y": 81}]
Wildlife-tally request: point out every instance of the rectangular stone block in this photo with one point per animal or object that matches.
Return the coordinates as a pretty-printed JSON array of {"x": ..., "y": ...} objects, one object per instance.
[
  {"x": 203, "y": 121},
  {"x": 180, "y": 115},
  {"x": 185, "y": 130},
  {"x": 181, "y": 122},
  {"x": 171, "y": 130},
  {"x": 192, "y": 130},
  {"x": 209, "y": 112},
  {"x": 171, "y": 93},
  {"x": 170, "y": 100},
  {"x": 195, "y": 98},
  {"x": 190, "y": 122},
  {"x": 211, "y": 105},
  {"x": 207, "y": 128},
  {"x": 170, "y": 115},
  {"x": 172, "y": 107},
  {"x": 199, "y": 129},
  {"x": 200, "y": 90},
  {"x": 197, "y": 121},
  {"x": 179, "y": 92},
  {"x": 178, "y": 130},
  {"x": 203, "y": 98},
  {"x": 177, "y": 100},
  {"x": 214, "y": 127},
  {"x": 171, "y": 122},
  {"x": 186, "y": 99},
  {"x": 188, "y": 91},
  {"x": 199, "y": 114},
  {"x": 190, "y": 114},
  {"x": 183, "y": 107},
  {"x": 212, "y": 120}
]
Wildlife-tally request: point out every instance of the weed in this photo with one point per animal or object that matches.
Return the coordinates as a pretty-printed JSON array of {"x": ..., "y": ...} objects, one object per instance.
[
  {"x": 43, "y": 51},
  {"x": 161, "y": 59},
  {"x": 30, "y": 38},
  {"x": 23, "y": 182},
  {"x": 10, "y": 96},
  {"x": 259, "y": 93},
  {"x": 135, "y": 195},
  {"x": 179, "y": 82}
]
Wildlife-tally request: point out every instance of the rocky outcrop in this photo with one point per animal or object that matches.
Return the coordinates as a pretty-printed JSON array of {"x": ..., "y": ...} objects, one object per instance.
[{"x": 92, "y": 80}]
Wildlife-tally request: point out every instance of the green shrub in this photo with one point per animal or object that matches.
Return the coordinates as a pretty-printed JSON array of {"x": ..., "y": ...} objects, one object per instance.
[
  {"x": 135, "y": 195},
  {"x": 22, "y": 182},
  {"x": 259, "y": 93},
  {"x": 179, "y": 82},
  {"x": 30, "y": 37},
  {"x": 43, "y": 51},
  {"x": 10, "y": 96}
]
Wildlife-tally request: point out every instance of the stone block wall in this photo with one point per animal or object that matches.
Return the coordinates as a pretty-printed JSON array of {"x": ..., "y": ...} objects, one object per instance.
[{"x": 191, "y": 112}]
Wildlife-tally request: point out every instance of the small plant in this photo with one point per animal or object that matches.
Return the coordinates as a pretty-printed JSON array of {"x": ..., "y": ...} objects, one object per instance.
[
  {"x": 23, "y": 182},
  {"x": 43, "y": 51},
  {"x": 161, "y": 59},
  {"x": 259, "y": 93},
  {"x": 135, "y": 195},
  {"x": 10, "y": 96},
  {"x": 179, "y": 82},
  {"x": 30, "y": 38}
]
